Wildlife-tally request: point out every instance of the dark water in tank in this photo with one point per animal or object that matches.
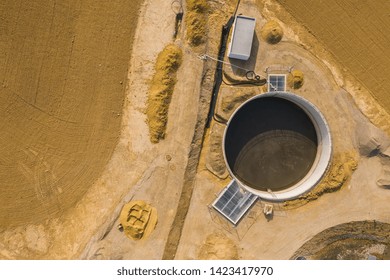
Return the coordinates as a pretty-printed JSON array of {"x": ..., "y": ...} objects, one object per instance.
[{"x": 271, "y": 143}]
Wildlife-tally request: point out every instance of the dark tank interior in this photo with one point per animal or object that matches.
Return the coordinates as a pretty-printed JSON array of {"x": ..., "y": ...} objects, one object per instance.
[{"x": 270, "y": 144}]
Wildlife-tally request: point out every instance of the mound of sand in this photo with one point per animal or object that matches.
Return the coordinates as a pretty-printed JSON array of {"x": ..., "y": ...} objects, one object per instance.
[
  {"x": 232, "y": 102},
  {"x": 218, "y": 247},
  {"x": 161, "y": 90},
  {"x": 196, "y": 21},
  {"x": 138, "y": 219},
  {"x": 295, "y": 79},
  {"x": 230, "y": 98},
  {"x": 341, "y": 169},
  {"x": 272, "y": 32}
]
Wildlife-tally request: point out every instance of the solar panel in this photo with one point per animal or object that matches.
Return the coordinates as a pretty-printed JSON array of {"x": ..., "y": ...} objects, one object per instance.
[
  {"x": 276, "y": 82},
  {"x": 233, "y": 202}
]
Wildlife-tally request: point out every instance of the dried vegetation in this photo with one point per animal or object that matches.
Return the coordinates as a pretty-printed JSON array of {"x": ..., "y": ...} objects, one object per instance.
[
  {"x": 272, "y": 32},
  {"x": 161, "y": 90},
  {"x": 295, "y": 79},
  {"x": 196, "y": 21},
  {"x": 340, "y": 171},
  {"x": 138, "y": 219}
]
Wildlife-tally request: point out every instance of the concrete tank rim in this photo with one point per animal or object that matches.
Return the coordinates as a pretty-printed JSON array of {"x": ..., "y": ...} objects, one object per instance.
[{"x": 324, "y": 149}]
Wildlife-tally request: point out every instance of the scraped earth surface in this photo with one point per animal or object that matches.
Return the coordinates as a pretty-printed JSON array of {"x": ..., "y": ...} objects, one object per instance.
[{"x": 352, "y": 241}]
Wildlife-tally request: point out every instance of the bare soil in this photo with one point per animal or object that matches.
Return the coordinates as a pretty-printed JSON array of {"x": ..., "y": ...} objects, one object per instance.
[
  {"x": 355, "y": 194},
  {"x": 64, "y": 83},
  {"x": 354, "y": 240},
  {"x": 218, "y": 247}
]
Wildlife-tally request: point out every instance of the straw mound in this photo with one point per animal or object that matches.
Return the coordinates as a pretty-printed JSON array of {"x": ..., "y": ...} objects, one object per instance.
[
  {"x": 215, "y": 162},
  {"x": 272, "y": 32},
  {"x": 340, "y": 171},
  {"x": 161, "y": 89},
  {"x": 138, "y": 219},
  {"x": 196, "y": 21},
  {"x": 199, "y": 6},
  {"x": 295, "y": 79},
  {"x": 218, "y": 247}
]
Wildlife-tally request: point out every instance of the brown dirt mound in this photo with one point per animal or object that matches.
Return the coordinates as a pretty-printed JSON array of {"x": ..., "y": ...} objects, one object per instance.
[
  {"x": 295, "y": 79},
  {"x": 138, "y": 219},
  {"x": 230, "y": 103},
  {"x": 229, "y": 99},
  {"x": 161, "y": 90},
  {"x": 196, "y": 21},
  {"x": 218, "y": 247},
  {"x": 63, "y": 69},
  {"x": 351, "y": 241},
  {"x": 341, "y": 169},
  {"x": 272, "y": 32}
]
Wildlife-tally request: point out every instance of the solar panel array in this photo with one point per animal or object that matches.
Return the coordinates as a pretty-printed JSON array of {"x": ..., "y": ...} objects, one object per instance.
[
  {"x": 276, "y": 82},
  {"x": 233, "y": 202}
]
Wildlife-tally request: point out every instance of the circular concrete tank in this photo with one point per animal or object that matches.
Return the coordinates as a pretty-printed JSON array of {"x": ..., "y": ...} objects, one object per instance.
[{"x": 277, "y": 145}]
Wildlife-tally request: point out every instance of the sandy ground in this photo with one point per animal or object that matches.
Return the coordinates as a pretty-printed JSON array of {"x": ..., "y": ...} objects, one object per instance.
[
  {"x": 159, "y": 173},
  {"x": 362, "y": 199},
  {"x": 160, "y": 179},
  {"x": 137, "y": 169}
]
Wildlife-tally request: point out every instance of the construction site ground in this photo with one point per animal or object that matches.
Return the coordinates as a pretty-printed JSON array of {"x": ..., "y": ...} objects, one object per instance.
[{"x": 178, "y": 176}]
